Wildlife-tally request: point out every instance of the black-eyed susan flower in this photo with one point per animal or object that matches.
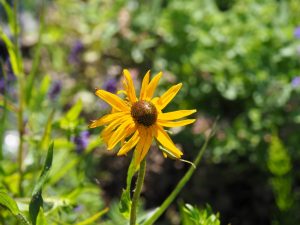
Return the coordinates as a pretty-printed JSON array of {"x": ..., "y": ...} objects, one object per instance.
[{"x": 135, "y": 122}]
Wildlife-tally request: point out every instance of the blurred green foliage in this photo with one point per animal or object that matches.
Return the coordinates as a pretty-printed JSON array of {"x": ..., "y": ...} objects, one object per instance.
[{"x": 236, "y": 59}]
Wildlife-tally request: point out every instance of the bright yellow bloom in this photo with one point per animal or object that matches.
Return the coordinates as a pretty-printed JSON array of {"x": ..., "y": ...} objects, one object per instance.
[{"x": 136, "y": 121}]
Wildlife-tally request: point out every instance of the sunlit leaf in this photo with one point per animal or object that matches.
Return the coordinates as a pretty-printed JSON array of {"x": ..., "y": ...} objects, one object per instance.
[
  {"x": 8, "y": 202},
  {"x": 37, "y": 200}
]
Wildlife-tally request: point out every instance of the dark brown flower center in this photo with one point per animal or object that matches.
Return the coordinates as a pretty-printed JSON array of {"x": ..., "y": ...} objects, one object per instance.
[{"x": 144, "y": 112}]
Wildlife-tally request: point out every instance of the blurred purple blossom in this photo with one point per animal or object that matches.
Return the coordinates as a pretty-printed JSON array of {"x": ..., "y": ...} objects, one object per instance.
[
  {"x": 111, "y": 85},
  {"x": 81, "y": 141},
  {"x": 78, "y": 208},
  {"x": 76, "y": 50},
  {"x": 296, "y": 82},
  {"x": 297, "y": 32},
  {"x": 55, "y": 90}
]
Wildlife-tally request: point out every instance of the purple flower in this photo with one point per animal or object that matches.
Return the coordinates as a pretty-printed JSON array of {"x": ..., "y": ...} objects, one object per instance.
[
  {"x": 297, "y": 32},
  {"x": 111, "y": 85},
  {"x": 55, "y": 90},
  {"x": 81, "y": 141},
  {"x": 76, "y": 50},
  {"x": 296, "y": 82}
]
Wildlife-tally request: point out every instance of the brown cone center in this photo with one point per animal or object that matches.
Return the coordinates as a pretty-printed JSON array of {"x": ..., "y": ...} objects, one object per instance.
[{"x": 144, "y": 112}]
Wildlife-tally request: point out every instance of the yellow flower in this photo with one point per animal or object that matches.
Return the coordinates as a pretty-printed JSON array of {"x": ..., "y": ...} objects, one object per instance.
[{"x": 136, "y": 121}]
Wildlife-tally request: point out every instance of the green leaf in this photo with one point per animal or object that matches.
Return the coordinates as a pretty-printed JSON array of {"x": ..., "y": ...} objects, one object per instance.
[
  {"x": 74, "y": 112},
  {"x": 39, "y": 95},
  {"x": 41, "y": 219},
  {"x": 93, "y": 218},
  {"x": 125, "y": 204},
  {"x": 70, "y": 121},
  {"x": 47, "y": 131},
  {"x": 192, "y": 215},
  {"x": 279, "y": 161},
  {"x": 37, "y": 200},
  {"x": 8, "y": 202},
  {"x": 11, "y": 51},
  {"x": 9, "y": 13}
]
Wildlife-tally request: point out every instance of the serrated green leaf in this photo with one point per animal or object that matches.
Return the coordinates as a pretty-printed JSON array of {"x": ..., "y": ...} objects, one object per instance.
[
  {"x": 192, "y": 215},
  {"x": 37, "y": 200}
]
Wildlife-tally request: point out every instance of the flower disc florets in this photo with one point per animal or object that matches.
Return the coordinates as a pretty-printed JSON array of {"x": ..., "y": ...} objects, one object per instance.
[{"x": 144, "y": 112}]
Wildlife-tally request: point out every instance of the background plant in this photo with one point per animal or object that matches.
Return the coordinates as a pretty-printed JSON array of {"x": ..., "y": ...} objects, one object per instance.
[{"x": 240, "y": 60}]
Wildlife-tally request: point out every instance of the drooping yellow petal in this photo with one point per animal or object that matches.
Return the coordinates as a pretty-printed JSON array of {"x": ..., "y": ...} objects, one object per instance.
[
  {"x": 152, "y": 86},
  {"x": 164, "y": 139},
  {"x": 129, "y": 144},
  {"x": 115, "y": 101},
  {"x": 181, "y": 123},
  {"x": 143, "y": 146},
  {"x": 164, "y": 100},
  {"x": 175, "y": 115},
  {"x": 107, "y": 132},
  {"x": 107, "y": 119},
  {"x": 129, "y": 87},
  {"x": 144, "y": 85},
  {"x": 125, "y": 129}
]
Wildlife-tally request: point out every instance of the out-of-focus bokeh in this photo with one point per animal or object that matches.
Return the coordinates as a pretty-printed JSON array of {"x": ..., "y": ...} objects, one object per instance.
[{"x": 238, "y": 60}]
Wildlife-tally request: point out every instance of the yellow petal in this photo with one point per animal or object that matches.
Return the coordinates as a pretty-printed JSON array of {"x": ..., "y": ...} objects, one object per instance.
[
  {"x": 164, "y": 139},
  {"x": 175, "y": 115},
  {"x": 143, "y": 146},
  {"x": 166, "y": 123},
  {"x": 129, "y": 87},
  {"x": 129, "y": 144},
  {"x": 164, "y": 100},
  {"x": 108, "y": 131},
  {"x": 144, "y": 85},
  {"x": 115, "y": 101},
  {"x": 152, "y": 86},
  {"x": 106, "y": 119},
  {"x": 122, "y": 131}
]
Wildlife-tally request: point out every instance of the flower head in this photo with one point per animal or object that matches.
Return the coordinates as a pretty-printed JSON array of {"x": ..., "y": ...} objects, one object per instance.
[
  {"x": 55, "y": 90},
  {"x": 135, "y": 122},
  {"x": 296, "y": 82},
  {"x": 297, "y": 32},
  {"x": 111, "y": 85},
  {"x": 76, "y": 50},
  {"x": 81, "y": 141}
]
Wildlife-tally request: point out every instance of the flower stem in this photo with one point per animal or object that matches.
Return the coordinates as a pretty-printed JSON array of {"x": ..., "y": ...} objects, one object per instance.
[
  {"x": 137, "y": 192},
  {"x": 181, "y": 183},
  {"x": 21, "y": 98}
]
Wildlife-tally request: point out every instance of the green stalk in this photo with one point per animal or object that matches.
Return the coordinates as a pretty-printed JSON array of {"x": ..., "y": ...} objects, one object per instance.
[
  {"x": 37, "y": 55},
  {"x": 180, "y": 185},
  {"x": 137, "y": 192},
  {"x": 21, "y": 98},
  {"x": 2, "y": 125}
]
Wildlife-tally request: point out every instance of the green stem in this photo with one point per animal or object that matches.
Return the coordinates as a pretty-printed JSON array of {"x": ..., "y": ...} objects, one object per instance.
[
  {"x": 180, "y": 185},
  {"x": 3, "y": 117},
  {"x": 137, "y": 192},
  {"x": 21, "y": 98}
]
